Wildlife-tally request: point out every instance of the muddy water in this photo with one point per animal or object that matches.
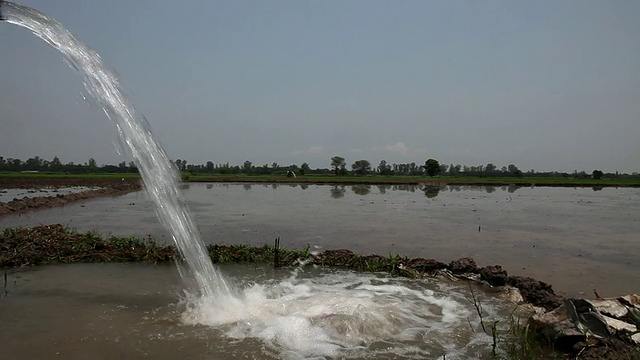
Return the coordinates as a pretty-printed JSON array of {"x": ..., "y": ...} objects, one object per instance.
[
  {"x": 132, "y": 311},
  {"x": 577, "y": 239}
]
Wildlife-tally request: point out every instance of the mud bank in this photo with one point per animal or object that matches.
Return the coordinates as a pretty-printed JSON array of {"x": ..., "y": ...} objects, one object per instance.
[
  {"x": 107, "y": 187},
  {"x": 50, "y": 244}
]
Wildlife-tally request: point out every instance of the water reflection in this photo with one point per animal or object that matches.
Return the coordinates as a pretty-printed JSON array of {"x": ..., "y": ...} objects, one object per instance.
[
  {"x": 337, "y": 191},
  {"x": 431, "y": 191},
  {"x": 361, "y": 190},
  {"x": 405, "y": 187},
  {"x": 340, "y": 190},
  {"x": 513, "y": 187}
]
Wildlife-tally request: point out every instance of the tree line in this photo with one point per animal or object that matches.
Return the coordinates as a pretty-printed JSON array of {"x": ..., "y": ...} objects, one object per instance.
[
  {"x": 338, "y": 166},
  {"x": 37, "y": 163}
]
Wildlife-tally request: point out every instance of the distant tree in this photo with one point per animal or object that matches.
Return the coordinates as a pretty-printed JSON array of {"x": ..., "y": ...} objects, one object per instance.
[
  {"x": 247, "y": 166},
  {"x": 16, "y": 164},
  {"x": 580, "y": 175},
  {"x": 337, "y": 162},
  {"x": 361, "y": 167},
  {"x": 304, "y": 169},
  {"x": 33, "y": 163},
  {"x": 209, "y": 167},
  {"x": 56, "y": 164},
  {"x": 384, "y": 168},
  {"x": 92, "y": 164},
  {"x": 134, "y": 169},
  {"x": 414, "y": 169},
  {"x": 432, "y": 167},
  {"x": 180, "y": 164},
  {"x": 514, "y": 170},
  {"x": 597, "y": 174},
  {"x": 443, "y": 168},
  {"x": 490, "y": 168}
]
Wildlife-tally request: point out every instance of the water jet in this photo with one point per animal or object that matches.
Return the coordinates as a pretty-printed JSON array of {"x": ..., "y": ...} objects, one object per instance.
[{"x": 158, "y": 174}]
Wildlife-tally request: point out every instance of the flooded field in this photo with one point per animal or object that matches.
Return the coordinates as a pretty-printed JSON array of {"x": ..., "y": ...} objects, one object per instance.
[{"x": 577, "y": 239}]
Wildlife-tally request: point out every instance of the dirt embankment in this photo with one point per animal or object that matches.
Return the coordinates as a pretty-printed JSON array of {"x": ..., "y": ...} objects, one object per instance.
[{"x": 105, "y": 187}]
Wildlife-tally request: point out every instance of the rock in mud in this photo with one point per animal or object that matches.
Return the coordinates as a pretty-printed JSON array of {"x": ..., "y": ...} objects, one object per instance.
[
  {"x": 425, "y": 265},
  {"x": 340, "y": 257},
  {"x": 596, "y": 329},
  {"x": 463, "y": 265},
  {"x": 536, "y": 292},
  {"x": 495, "y": 275}
]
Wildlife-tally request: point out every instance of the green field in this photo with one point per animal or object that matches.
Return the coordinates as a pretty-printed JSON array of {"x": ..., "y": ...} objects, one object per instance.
[
  {"x": 350, "y": 179},
  {"x": 59, "y": 175}
]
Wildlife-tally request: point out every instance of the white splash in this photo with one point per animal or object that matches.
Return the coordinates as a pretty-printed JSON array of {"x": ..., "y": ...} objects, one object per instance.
[{"x": 348, "y": 315}]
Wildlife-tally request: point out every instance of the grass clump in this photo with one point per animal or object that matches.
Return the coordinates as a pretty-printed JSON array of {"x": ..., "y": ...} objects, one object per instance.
[{"x": 56, "y": 244}]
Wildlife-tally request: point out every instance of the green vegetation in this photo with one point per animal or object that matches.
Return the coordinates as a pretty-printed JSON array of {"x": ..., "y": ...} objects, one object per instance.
[
  {"x": 56, "y": 244},
  {"x": 58, "y": 175},
  {"x": 432, "y": 167},
  {"x": 433, "y": 171},
  {"x": 352, "y": 179}
]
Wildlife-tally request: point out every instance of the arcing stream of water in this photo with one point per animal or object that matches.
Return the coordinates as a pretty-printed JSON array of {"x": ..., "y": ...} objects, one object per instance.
[
  {"x": 338, "y": 315},
  {"x": 159, "y": 176}
]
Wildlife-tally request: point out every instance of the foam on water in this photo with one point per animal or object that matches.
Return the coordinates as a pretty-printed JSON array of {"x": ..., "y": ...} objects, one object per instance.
[
  {"x": 159, "y": 176},
  {"x": 345, "y": 314}
]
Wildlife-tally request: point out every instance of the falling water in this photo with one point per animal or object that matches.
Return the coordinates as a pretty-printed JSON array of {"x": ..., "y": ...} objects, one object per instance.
[{"x": 159, "y": 176}]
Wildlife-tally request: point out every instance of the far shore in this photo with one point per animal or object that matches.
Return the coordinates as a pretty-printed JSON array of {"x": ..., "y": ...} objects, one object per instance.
[{"x": 12, "y": 180}]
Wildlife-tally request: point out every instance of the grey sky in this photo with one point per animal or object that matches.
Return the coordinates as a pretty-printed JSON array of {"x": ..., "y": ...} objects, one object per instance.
[{"x": 549, "y": 85}]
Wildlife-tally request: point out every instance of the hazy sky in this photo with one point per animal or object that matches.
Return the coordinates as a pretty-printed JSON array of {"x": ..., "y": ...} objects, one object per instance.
[{"x": 548, "y": 85}]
